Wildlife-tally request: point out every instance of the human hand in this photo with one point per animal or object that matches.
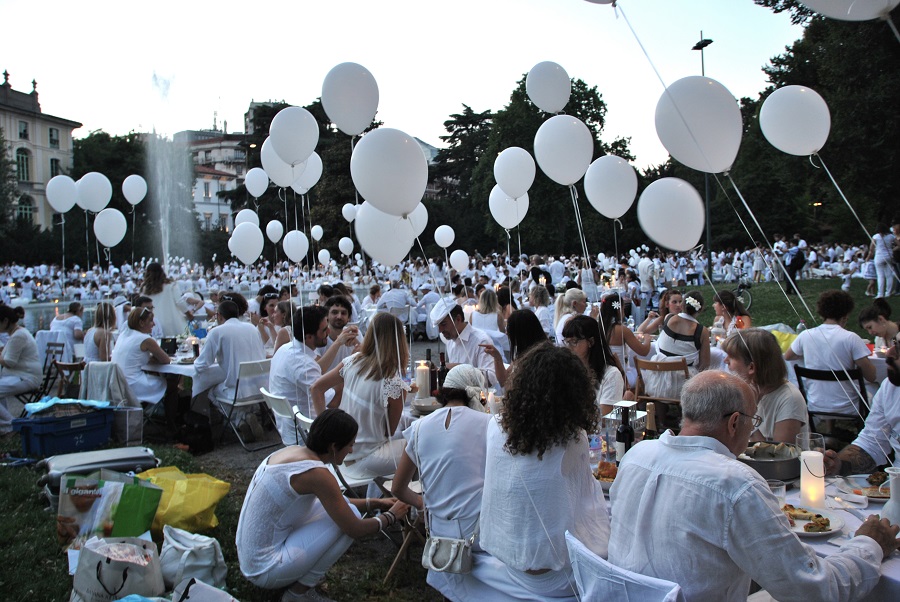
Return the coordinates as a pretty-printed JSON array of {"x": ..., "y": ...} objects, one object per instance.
[
  {"x": 832, "y": 462},
  {"x": 595, "y": 311},
  {"x": 348, "y": 336},
  {"x": 881, "y": 530},
  {"x": 491, "y": 351},
  {"x": 264, "y": 322},
  {"x": 652, "y": 315},
  {"x": 399, "y": 509}
]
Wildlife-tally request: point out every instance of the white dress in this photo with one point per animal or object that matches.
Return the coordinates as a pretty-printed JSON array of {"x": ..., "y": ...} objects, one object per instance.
[
  {"x": 68, "y": 328},
  {"x": 485, "y": 321},
  {"x": 127, "y": 353},
  {"x": 91, "y": 351},
  {"x": 168, "y": 310}
]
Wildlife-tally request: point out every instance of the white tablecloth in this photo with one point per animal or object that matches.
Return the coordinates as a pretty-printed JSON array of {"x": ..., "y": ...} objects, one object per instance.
[{"x": 200, "y": 383}]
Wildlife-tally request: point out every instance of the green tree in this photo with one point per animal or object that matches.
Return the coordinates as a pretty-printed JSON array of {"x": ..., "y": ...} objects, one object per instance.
[{"x": 9, "y": 190}]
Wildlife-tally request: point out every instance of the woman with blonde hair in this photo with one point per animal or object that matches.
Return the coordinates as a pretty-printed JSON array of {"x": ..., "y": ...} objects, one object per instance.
[
  {"x": 373, "y": 394},
  {"x": 572, "y": 303},
  {"x": 487, "y": 314},
  {"x": 98, "y": 341}
]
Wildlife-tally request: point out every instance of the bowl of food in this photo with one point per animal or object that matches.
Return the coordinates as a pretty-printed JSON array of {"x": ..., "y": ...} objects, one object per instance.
[
  {"x": 606, "y": 474},
  {"x": 773, "y": 460}
]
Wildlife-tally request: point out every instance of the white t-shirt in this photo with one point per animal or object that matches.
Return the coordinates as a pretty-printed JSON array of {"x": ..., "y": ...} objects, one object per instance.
[
  {"x": 830, "y": 347},
  {"x": 784, "y": 403}
]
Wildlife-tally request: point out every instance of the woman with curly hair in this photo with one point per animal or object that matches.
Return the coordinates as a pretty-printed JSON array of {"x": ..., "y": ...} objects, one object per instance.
[
  {"x": 167, "y": 304},
  {"x": 538, "y": 481}
]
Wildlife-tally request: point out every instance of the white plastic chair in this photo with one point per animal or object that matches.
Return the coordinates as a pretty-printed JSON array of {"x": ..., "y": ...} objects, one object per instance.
[
  {"x": 248, "y": 372},
  {"x": 281, "y": 407},
  {"x": 597, "y": 579}
]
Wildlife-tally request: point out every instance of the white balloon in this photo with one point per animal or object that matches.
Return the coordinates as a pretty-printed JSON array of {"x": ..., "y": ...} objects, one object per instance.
[
  {"x": 514, "y": 171},
  {"x": 349, "y": 211},
  {"x": 444, "y": 236},
  {"x": 274, "y": 230},
  {"x": 419, "y": 219},
  {"x": 852, "y": 10},
  {"x": 294, "y": 133},
  {"x": 276, "y": 169},
  {"x": 795, "y": 120},
  {"x": 389, "y": 170},
  {"x": 507, "y": 212},
  {"x": 699, "y": 123},
  {"x": 601, "y": 1},
  {"x": 310, "y": 175},
  {"x": 671, "y": 213},
  {"x": 548, "y": 86},
  {"x": 247, "y": 242},
  {"x": 324, "y": 256},
  {"x": 94, "y": 192},
  {"x": 357, "y": 257},
  {"x": 109, "y": 227},
  {"x": 256, "y": 181},
  {"x": 246, "y": 216},
  {"x": 459, "y": 260},
  {"x": 316, "y": 232},
  {"x": 134, "y": 187},
  {"x": 563, "y": 147},
  {"x": 346, "y": 246},
  {"x": 611, "y": 185},
  {"x": 62, "y": 193},
  {"x": 386, "y": 238},
  {"x": 350, "y": 97},
  {"x": 295, "y": 245}
]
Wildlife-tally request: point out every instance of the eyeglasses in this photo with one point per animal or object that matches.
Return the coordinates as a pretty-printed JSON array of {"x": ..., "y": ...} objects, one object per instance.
[
  {"x": 226, "y": 298},
  {"x": 271, "y": 296},
  {"x": 572, "y": 342},
  {"x": 145, "y": 310},
  {"x": 756, "y": 420}
]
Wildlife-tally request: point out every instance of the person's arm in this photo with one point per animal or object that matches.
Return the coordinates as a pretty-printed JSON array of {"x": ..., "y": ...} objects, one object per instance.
[
  {"x": 12, "y": 352},
  {"x": 867, "y": 368},
  {"x": 78, "y": 334},
  {"x": 785, "y": 430},
  {"x": 641, "y": 348},
  {"x": 499, "y": 368},
  {"x": 283, "y": 336},
  {"x": 400, "y": 487},
  {"x": 501, "y": 321},
  {"x": 266, "y": 330},
  {"x": 651, "y": 323},
  {"x": 394, "y": 411},
  {"x": 851, "y": 460},
  {"x": 156, "y": 353},
  {"x": 704, "y": 349},
  {"x": 790, "y": 354},
  {"x": 329, "y": 380}
]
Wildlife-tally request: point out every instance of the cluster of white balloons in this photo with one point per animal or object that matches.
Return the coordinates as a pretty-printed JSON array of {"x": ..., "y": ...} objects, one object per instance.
[
  {"x": 92, "y": 193},
  {"x": 514, "y": 172}
]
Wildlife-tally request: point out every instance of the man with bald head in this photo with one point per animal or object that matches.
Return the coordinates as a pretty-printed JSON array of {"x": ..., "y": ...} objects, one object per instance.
[{"x": 686, "y": 510}]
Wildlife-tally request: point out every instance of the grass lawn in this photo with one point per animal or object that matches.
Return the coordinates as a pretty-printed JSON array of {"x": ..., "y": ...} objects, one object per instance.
[{"x": 34, "y": 569}]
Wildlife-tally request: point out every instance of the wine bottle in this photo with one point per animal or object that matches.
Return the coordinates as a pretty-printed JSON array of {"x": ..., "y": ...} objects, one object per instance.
[
  {"x": 432, "y": 374},
  {"x": 650, "y": 431},
  {"x": 442, "y": 372},
  {"x": 624, "y": 436}
]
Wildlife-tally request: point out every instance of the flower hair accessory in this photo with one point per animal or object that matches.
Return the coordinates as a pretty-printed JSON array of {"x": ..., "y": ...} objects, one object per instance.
[
  {"x": 693, "y": 303},
  {"x": 616, "y": 305}
]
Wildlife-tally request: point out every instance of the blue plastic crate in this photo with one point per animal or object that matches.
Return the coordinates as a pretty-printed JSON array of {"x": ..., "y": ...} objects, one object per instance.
[{"x": 48, "y": 436}]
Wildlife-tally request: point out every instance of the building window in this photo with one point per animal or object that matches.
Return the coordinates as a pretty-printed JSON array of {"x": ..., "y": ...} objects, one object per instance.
[
  {"x": 23, "y": 130},
  {"x": 207, "y": 156},
  {"x": 240, "y": 155},
  {"x": 206, "y": 195},
  {"x": 239, "y": 169},
  {"x": 54, "y": 137},
  {"x": 207, "y": 221},
  {"x": 25, "y": 209},
  {"x": 23, "y": 167},
  {"x": 55, "y": 168}
]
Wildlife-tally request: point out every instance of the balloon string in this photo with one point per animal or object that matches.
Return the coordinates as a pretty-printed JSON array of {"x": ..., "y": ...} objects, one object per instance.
[
  {"x": 578, "y": 222},
  {"x": 87, "y": 240},
  {"x": 841, "y": 192},
  {"x": 508, "y": 237},
  {"x": 893, "y": 27}
]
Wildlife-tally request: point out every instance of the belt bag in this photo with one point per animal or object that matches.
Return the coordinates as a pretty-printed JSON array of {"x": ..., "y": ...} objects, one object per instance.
[{"x": 448, "y": 555}]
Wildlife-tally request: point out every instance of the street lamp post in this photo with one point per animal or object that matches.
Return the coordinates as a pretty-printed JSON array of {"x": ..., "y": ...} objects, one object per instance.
[{"x": 703, "y": 43}]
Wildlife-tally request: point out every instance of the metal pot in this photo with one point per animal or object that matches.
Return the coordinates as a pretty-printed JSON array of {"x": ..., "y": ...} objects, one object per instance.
[{"x": 782, "y": 469}]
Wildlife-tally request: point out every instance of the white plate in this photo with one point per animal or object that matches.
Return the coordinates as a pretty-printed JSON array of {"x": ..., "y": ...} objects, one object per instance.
[
  {"x": 837, "y": 523},
  {"x": 859, "y": 481},
  {"x": 425, "y": 408}
]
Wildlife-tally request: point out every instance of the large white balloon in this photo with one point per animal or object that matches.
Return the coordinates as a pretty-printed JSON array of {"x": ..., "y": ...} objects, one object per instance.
[
  {"x": 247, "y": 242},
  {"x": 389, "y": 170},
  {"x": 295, "y": 245},
  {"x": 611, "y": 185},
  {"x": 350, "y": 97},
  {"x": 310, "y": 175},
  {"x": 699, "y": 123},
  {"x": 134, "y": 187},
  {"x": 459, "y": 260},
  {"x": 444, "y": 236},
  {"x": 94, "y": 192},
  {"x": 274, "y": 230},
  {"x": 316, "y": 232},
  {"x": 349, "y": 211},
  {"x": 276, "y": 169},
  {"x": 563, "y": 147},
  {"x": 246, "y": 216},
  {"x": 671, "y": 213},
  {"x": 256, "y": 181},
  {"x": 386, "y": 238},
  {"x": 345, "y": 245},
  {"x": 109, "y": 227},
  {"x": 294, "y": 133},
  {"x": 324, "y": 256},
  {"x": 62, "y": 193},
  {"x": 514, "y": 171},
  {"x": 419, "y": 219},
  {"x": 795, "y": 120},
  {"x": 548, "y": 86},
  {"x": 852, "y": 10},
  {"x": 507, "y": 211}
]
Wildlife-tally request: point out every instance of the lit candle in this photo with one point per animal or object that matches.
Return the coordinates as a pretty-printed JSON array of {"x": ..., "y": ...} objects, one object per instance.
[
  {"x": 812, "y": 479},
  {"x": 423, "y": 380}
]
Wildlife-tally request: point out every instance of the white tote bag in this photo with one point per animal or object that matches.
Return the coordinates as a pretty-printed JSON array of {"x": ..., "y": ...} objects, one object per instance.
[
  {"x": 186, "y": 555},
  {"x": 112, "y": 568}
]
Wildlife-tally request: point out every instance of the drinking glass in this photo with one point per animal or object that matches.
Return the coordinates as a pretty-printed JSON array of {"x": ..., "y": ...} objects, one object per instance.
[
  {"x": 811, "y": 442},
  {"x": 778, "y": 489}
]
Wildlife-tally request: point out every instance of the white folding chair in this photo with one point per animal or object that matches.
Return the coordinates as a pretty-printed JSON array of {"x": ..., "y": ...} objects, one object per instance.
[
  {"x": 246, "y": 395},
  {"x": 597, "y": 579},
  {"x": 283, "y": 410}
]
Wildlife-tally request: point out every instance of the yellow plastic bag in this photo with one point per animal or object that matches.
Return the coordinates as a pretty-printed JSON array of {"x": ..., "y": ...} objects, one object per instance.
[
  {"x": 784, "y": 339},
  {"x": 188, "y": 500}
]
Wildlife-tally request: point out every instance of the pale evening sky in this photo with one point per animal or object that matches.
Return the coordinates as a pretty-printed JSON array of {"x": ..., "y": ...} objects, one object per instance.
[{"x": 96, "y": 62}]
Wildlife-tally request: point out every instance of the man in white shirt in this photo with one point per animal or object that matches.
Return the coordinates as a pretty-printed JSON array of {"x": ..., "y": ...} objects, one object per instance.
[
  {"x": 726, "y": 527},
  {"x": 557, "y": 270},
  {"x": 395, "y": 298},
  {"x": 648, "y": 282},
  {"x": 294, "y": 367},
  {"x": 465, "y": 343},
  {"x": 229, "y": 344},
  {"x": 428, "y": 297},
  {"x": 343, "y": 339}
]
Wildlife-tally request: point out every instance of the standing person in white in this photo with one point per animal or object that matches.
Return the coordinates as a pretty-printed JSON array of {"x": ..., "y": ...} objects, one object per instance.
[
  {"x": 881, "y": 250},
  {"x": 647, "y": 276}
]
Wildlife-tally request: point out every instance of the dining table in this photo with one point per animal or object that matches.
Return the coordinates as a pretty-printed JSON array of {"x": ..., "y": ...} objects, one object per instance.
[{"x": 183, "y": 365}]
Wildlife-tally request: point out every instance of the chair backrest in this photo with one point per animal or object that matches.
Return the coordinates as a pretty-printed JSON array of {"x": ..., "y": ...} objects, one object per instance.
[
  {"x": 837, "y": 375},
  {"x": 54, "y": 352},
  {"x": 401, "y": 313},
  {"x": 105, "y": 381},
  {"x": 67, "y": 372},
  {"x": 597, "y": 579},
  {"x": 665, "y": 382},
  {"x": 251, "y": 376},
  {"x": 279, "y": 404}
]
